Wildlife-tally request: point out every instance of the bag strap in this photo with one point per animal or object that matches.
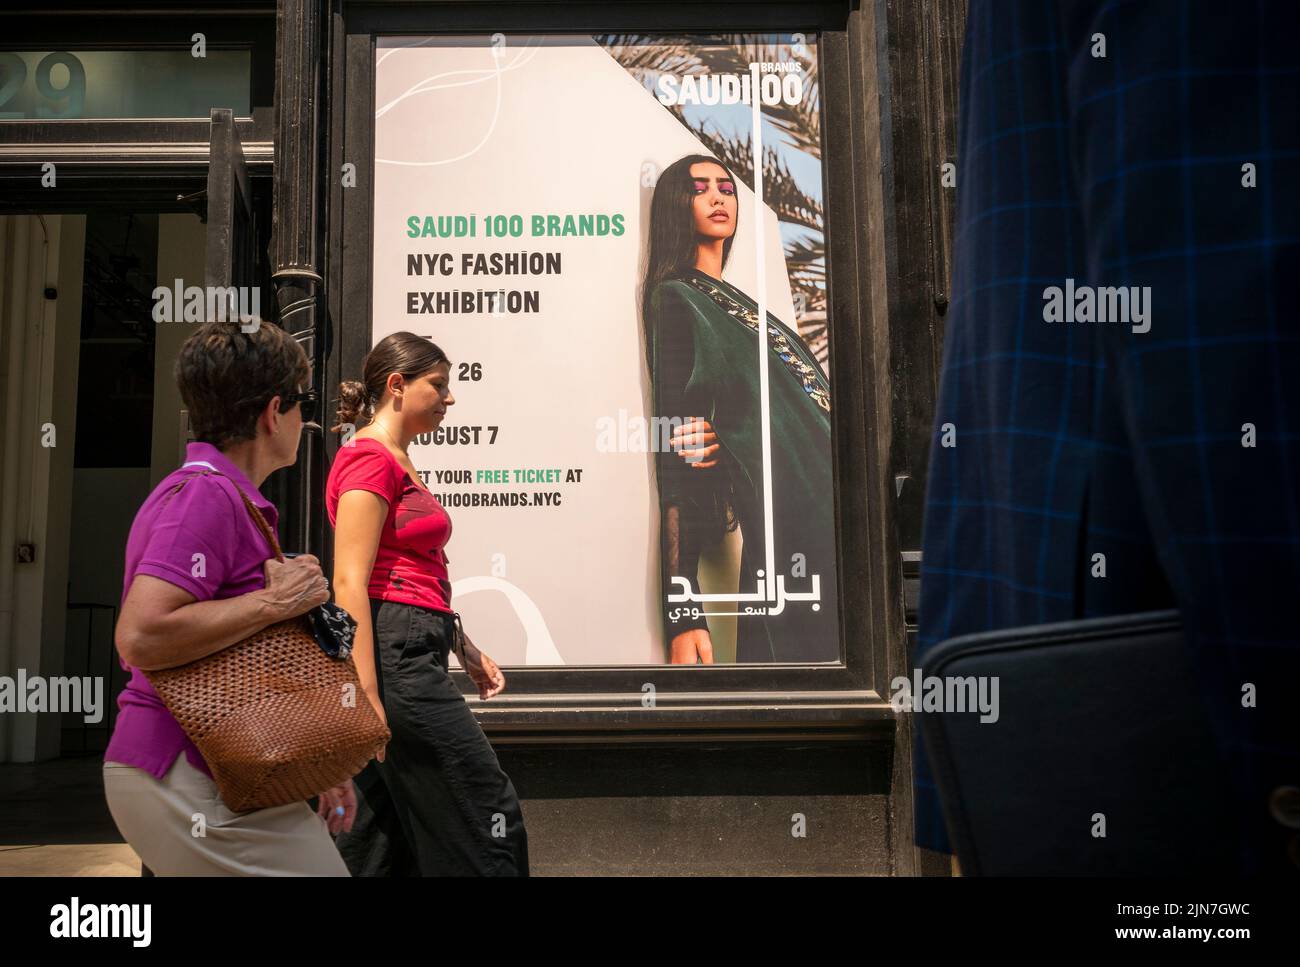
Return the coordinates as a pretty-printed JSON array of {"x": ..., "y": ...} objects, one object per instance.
[
  {"x": 253, "y": 510},
  {"x": 262, "y": 525},
  {"x": 177, "y": 489}
]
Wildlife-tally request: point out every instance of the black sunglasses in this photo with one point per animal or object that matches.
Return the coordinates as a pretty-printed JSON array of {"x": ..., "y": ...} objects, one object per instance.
[{"x": 307, "y": 400}]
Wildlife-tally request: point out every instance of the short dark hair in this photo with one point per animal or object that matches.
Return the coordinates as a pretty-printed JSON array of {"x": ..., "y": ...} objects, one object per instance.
[{"x": 227, "y": 375}]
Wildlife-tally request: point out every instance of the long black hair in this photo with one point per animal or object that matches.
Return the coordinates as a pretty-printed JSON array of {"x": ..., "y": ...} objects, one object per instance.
[
  {"x": 710, "y": 500},
  {"x": 672, "y": 237}
]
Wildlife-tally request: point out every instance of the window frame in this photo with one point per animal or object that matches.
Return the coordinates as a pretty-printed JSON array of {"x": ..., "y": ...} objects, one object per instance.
[
  {"x": 106, "y": 162},
  {"x": 600, "y": 701}
]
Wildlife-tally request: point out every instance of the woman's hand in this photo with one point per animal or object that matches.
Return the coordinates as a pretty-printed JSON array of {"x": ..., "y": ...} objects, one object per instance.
[
  {"x": 296, "y": 586},
  {"x": 697, "y": 435},
  {"x": 338, "y": 807},
  {"x": 483, "y": 672},
  {"x": 692, "y": 646},
  {"x": 378, "y": 706}
]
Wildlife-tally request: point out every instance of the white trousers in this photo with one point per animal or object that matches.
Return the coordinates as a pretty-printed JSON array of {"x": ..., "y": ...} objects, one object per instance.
[{"x": 179, "y": 826}]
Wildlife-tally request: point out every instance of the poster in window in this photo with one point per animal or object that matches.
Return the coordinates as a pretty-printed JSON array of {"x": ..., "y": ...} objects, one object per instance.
[{"x": 637, "y": 471}]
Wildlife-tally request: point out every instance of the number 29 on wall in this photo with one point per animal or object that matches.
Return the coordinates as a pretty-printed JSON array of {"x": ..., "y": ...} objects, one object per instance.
[{"x": 70, "y": 98}]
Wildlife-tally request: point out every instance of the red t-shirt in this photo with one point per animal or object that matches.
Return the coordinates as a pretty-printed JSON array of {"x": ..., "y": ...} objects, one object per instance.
[{"x": 411, "y": 563}]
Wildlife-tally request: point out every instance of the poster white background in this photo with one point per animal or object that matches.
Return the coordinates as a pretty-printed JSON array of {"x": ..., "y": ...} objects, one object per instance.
[{"x": 539, "y": 125}]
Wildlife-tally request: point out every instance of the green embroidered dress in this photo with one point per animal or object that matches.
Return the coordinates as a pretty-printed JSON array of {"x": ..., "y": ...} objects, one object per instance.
[{"x": 703, "y": 336}]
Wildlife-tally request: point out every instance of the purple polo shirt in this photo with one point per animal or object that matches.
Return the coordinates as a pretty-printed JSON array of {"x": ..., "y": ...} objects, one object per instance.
[{"x": 206, "y": 518}]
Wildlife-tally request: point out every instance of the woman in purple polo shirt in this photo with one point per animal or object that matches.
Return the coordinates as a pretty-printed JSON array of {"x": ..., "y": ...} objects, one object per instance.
[{"x": 198, "y": 580}]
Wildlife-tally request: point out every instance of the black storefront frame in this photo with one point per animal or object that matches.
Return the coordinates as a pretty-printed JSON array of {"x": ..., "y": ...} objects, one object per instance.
[
  {"x": 121, "y": 163},
  {"x": 601, "y": 703},
  {"x": 885, "y": 140}
]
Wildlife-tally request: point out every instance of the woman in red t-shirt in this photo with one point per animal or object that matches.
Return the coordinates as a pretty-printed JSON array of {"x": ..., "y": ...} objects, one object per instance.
[{"x": 433, "y": 802}]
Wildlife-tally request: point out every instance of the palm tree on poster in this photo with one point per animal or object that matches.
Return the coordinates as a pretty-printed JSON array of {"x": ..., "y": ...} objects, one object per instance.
[{"x": 798, "y": 127}]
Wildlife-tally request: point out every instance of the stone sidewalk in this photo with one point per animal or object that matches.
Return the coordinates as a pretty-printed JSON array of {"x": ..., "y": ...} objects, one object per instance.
[{"x": 54, "y": 821}]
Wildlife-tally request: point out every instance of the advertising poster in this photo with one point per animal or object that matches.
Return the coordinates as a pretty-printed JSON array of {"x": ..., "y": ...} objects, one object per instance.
[{"x": 636, "y": 470}]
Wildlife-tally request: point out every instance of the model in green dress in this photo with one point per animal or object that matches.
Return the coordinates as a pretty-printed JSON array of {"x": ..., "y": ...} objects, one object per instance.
[{"x": 702, "y": 344}]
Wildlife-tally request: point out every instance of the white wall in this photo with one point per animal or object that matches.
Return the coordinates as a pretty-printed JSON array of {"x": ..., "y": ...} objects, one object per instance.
[{"x": 39, "y": 359}]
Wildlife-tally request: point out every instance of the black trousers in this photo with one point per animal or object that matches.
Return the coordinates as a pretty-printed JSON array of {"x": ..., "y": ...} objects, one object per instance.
[{"x": 439, "y": 804}]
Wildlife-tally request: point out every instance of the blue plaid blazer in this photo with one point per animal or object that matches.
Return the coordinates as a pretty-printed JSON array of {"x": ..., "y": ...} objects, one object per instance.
[{"x": 1136, "y": 144}]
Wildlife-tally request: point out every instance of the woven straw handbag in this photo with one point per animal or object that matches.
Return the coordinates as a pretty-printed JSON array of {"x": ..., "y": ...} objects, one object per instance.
[{"x": 276, "y": 719}]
